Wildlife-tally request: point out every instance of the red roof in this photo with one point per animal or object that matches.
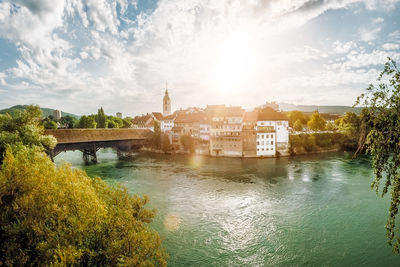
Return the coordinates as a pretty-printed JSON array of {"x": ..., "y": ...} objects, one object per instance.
[
  {"x": 190, "y": 117},
  {"x": 169, "y": 117},
  {"x": 157, "y": 115}
]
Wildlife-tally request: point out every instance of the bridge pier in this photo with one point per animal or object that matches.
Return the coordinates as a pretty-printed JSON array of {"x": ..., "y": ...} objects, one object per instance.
[{"x": 89, "y": 154}]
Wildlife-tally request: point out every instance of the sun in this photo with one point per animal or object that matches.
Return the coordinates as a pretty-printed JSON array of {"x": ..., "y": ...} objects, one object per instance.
[{"x": 236, "y": 63}]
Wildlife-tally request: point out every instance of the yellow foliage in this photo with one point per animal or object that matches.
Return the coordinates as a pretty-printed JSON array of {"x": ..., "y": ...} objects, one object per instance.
[{"x": 60, "y": 216}]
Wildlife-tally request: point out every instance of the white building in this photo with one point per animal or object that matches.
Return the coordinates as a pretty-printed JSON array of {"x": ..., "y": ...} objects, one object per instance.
[
  {"x": 57, "y": 114},
  {"x": 204, "y": 130},
  {"x": 167, "y": 123},
  {"x": 272, "y": 134}
]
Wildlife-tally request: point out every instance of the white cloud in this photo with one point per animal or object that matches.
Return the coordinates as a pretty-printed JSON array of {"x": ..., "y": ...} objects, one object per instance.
[
  {"x": 87, "y": 47},
  {"x": 391, "y": 46},
  {"x": 369, "y": 34},
  {"x": 342, "y": 48}
]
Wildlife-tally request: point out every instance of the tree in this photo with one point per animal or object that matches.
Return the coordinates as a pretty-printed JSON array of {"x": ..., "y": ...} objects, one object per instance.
[
  {"x": 68, "y": 121},
  {"x": 24, "y": 129},
  {"x": 114, "y": 122},
  {"x": 87, "y": 122},
  {"x": 165, "y": 143},
  {"x": 188, "y": 143},
  {"x": 380, "y": 135},
  {"x": 156, "y": 140},
  {"x": 330, "y": 126},
  {"x": 316, "y": 122},
  {"x": 101, "y": 118},
  {"x": 296, "y": 115},
  {"x": 50, "y": 124},
  {"x": 298, "y": 126},
  {"x": 60, "y": 216},
  {"x": 127, "y": 122},
  {"x": 349, "y": 124}
]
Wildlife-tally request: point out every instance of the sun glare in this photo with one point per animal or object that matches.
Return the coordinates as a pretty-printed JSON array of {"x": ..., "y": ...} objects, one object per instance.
[{"x": 236, "y": 63}]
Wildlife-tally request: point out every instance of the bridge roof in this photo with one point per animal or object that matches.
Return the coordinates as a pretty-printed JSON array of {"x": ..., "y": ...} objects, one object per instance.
[{"x": 65, "y": 136}]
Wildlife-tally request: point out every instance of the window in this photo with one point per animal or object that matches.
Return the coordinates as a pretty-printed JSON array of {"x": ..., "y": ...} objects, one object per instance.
[
  {"x": 258, "y": 143},
  {"x": 267, "y": 143},
  {"x": 272, "y": 142}
]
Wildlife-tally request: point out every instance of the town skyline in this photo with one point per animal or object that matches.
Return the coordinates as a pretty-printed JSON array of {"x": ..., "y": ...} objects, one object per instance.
[{"x": 76, "y": 56}]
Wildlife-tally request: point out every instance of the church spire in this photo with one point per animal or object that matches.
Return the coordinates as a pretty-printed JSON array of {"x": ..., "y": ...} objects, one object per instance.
[{"x": 166, "y": 102}]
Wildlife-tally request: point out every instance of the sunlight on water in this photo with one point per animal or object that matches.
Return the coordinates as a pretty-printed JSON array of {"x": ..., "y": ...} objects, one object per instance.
[
  {"x": 172, "y": 222},
  {"x": 304, "y": 211}
]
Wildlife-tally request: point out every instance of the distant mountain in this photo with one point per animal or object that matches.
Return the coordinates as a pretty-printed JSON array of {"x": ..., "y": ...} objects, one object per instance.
[
  {"x": 46, "y": 111},
  {"x": 321, "y": 109}
]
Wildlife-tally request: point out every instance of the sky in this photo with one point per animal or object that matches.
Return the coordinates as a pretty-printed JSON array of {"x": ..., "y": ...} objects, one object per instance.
[{"x": 78, "y": 55}]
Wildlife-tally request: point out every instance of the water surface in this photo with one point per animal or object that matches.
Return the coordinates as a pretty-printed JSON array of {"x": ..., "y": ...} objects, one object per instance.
[{"x": 314, "y": 210}]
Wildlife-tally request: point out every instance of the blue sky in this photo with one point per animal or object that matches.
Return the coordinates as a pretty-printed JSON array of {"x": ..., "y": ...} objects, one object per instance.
[{"x": 78, "y": 55}]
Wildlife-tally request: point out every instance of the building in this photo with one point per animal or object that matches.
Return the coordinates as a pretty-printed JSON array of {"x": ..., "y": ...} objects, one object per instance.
[
  {"x": 249, "y": 134},
  {"x": 225, "y": 130},
  {"x": 204, "y": 129},
  {"x": 57, "y": 114},
  {"x": 167, "y": 123},
  {"x": 119, "y": 115},
  {"x": 272, "y": 133},
  {"x": 143, "y": 122},
  {"x": 166, "y": 104}
]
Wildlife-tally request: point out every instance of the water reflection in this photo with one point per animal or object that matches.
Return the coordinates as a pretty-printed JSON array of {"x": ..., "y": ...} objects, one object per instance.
[{"x": 312, "y": 210}]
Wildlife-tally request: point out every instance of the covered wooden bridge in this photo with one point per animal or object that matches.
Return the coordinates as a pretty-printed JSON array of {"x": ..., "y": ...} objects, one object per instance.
[{"x": 89, "y": 141}]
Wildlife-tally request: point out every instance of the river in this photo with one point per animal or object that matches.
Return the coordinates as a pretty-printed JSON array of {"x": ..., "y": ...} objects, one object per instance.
[{"x": 315, "y": 210}]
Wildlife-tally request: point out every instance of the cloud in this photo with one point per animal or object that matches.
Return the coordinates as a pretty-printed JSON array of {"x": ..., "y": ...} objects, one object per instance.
[
  {"x": 343, "y": 48},
  {"x": 391, "y": 46},
  {"x": 103, "y": 49}
]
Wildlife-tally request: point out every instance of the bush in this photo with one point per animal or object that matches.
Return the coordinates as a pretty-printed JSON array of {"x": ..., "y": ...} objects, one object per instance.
[
  {"x": 24, "y": 129},
  {"x": 60, "y": 216},
  {"x": 310, "y": 144}
]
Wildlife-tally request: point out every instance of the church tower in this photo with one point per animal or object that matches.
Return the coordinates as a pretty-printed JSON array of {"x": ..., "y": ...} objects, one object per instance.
[{"x": 166, "y": 104}]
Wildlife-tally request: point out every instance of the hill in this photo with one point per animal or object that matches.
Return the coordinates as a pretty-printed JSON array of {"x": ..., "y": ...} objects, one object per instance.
[
  {"x": 46, "y": 111},
  {"x": 321, "y": 109}
]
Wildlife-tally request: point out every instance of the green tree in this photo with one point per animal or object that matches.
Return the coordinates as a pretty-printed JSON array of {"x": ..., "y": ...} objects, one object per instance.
[
  {"x": 68, "y": 121},
  {"x": 87, "y": 122},
  {"x": 114, "y": 122},
  {"x": 298, "y": 126},
  {"x": 127, "y": 122},
  {"x": 296, "y": 115},
  {"x": 381, "y": 136},
  {"x": 50, "y": 124},
  {"x": 101, "y": 118},
  {"x": 349, "y": 124},
  {"x": 24, "y": 129},
  {"x": 316, "y": 122},
  {"x": 156, "y": 140},
  {"x": 331, "y": 126},
  {"x": 58, "y": 216}
]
